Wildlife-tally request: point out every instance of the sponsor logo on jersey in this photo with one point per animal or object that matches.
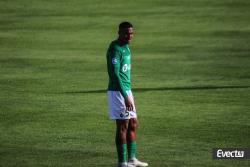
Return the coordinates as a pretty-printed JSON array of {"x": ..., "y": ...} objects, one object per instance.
[
  {"x": 125, "y": 67},
  {"x": 114, "y": 60}
]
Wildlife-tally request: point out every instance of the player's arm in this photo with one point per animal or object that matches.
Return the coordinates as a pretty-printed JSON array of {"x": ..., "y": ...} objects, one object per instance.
[{"x": 116, "y": 60}]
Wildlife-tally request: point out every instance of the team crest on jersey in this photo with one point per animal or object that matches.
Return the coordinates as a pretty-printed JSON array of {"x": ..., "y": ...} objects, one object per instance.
[{"x": 114, "y": 60}]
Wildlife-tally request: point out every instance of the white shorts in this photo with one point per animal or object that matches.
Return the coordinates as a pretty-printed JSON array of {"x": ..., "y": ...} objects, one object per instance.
[{"x": 117, "y": 107}]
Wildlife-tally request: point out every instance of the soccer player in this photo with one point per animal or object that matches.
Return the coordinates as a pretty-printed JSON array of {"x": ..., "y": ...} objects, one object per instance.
[{"x": 120, "y": 98}]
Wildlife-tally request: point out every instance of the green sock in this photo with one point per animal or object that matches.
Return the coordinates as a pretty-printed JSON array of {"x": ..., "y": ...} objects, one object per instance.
[
  {"x": 122, "y": 152},
  {"x": 131, "y": 150}
]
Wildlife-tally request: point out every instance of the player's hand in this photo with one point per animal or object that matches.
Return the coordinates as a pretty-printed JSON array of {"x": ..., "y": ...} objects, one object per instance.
[{"x": 129, "y": 104}]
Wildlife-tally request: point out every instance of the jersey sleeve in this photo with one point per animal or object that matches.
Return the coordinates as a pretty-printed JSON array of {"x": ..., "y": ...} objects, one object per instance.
[{"x": 116, "y": 61}]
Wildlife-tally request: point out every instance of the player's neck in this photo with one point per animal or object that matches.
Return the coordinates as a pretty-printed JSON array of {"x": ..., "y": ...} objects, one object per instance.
[{"x": 122, "y": 42}]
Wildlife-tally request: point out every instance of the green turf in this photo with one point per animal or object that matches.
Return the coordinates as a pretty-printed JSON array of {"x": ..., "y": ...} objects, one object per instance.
[{"x": 190, "y": 73}]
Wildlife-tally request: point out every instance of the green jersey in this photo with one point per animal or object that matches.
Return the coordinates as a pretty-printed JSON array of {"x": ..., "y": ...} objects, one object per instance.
[{"x": 118, "y": 63}]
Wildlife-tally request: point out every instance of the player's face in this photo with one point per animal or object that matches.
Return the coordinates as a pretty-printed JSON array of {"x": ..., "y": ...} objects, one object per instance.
[{"x": 126, "y": 34}]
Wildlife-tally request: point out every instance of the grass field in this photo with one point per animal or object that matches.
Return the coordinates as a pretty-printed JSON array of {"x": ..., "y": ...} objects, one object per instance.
[{"x": 191, "y": 81}]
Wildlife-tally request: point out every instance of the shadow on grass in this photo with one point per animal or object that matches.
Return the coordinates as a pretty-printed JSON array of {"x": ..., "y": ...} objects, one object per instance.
[{"x": 164, "y": 89}]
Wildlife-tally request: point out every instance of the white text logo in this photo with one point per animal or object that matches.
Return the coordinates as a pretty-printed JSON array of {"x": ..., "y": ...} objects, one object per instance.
[
  {"x": 125, "y": 67},
  {"x": 230, "y": 154}
]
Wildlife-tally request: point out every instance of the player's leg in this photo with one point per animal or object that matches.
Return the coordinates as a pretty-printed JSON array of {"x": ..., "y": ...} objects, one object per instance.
[
  {"x": 131, "y": 138},
  {"x": 121, "y": 140},
  {"x": 131, "y": 142}
]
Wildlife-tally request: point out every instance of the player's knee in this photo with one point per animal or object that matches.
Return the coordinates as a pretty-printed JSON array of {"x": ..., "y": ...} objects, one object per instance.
[
  {"x": 121, "y": 133},
  {"x": 122, "y": 128},
  {"x": 133, "y": 124}
]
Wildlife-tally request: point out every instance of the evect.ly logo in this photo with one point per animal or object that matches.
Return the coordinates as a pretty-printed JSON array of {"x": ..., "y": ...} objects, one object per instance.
[{"x": 231, "y": 153}]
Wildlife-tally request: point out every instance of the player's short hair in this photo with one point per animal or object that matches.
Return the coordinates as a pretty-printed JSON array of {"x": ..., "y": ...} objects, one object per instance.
[{"x": 125, "y": 24}]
